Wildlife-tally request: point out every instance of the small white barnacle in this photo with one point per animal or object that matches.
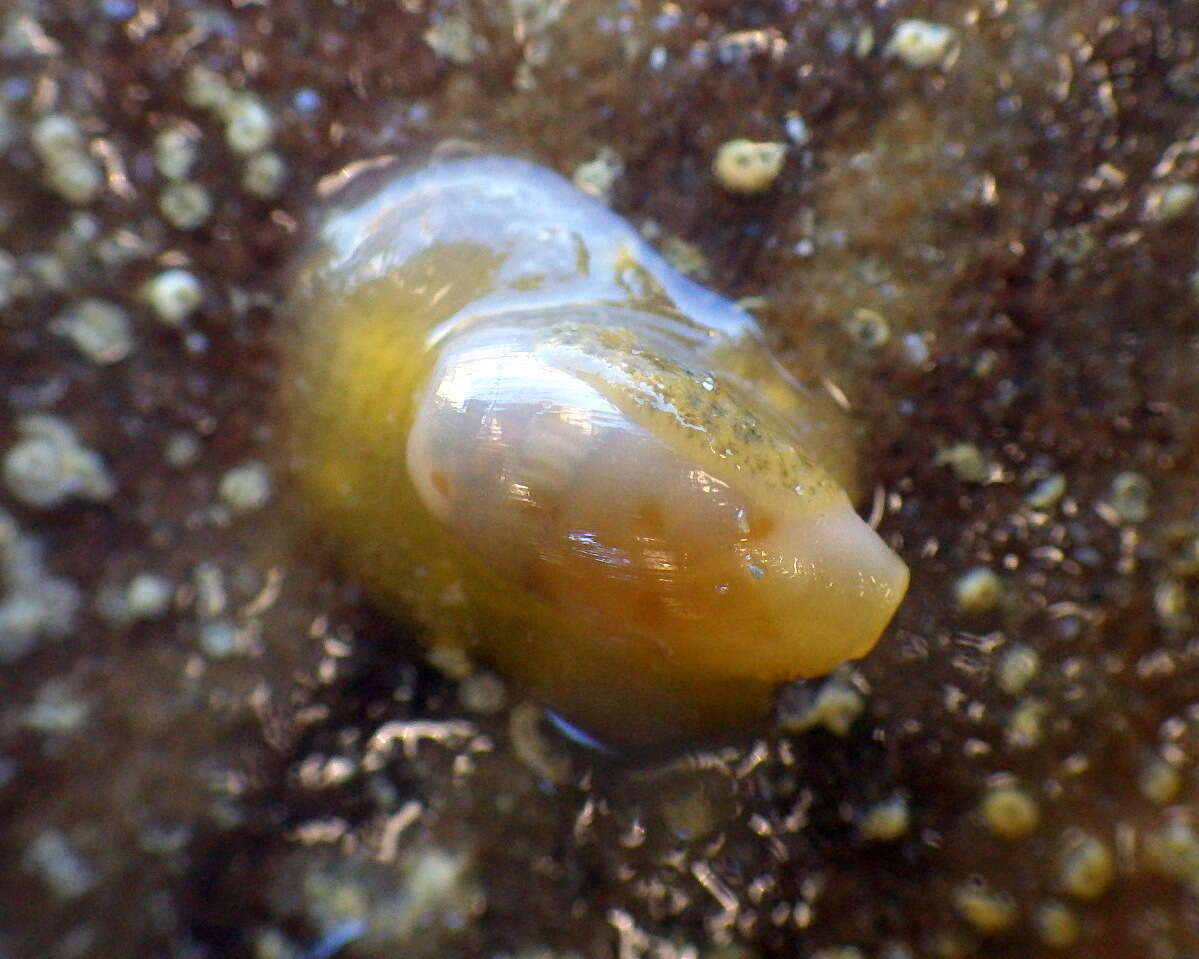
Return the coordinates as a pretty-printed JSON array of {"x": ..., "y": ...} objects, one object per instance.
[{"x": 497, "y": 391}]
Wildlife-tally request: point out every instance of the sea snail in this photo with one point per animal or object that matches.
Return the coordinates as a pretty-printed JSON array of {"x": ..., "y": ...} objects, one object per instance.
[{"x": 520, "y": 426}]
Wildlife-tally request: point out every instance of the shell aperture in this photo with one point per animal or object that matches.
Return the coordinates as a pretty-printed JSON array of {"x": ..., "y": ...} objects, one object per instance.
[{"x": 521, "y": 427}]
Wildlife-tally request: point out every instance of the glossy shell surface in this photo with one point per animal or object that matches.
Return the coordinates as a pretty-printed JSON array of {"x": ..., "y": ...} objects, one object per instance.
[{"x": 520, "y": 426}]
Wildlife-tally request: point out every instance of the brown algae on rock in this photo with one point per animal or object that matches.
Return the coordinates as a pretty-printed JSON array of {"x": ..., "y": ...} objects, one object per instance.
[{"x": 520, "y": 426}]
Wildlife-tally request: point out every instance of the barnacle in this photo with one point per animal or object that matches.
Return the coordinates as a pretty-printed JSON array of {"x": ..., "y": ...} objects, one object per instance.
[{"x": 520, "y": 426}]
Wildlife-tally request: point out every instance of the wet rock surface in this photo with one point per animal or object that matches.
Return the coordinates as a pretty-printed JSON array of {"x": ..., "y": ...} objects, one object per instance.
[{"x": 982, "y": 235}]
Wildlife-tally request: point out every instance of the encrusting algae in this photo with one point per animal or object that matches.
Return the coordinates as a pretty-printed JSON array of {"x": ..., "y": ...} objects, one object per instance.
[{"x": 517, "y": 423}]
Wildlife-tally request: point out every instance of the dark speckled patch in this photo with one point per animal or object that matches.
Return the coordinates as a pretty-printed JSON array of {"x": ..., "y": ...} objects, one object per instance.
[{"x": 664, "y": 394}]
